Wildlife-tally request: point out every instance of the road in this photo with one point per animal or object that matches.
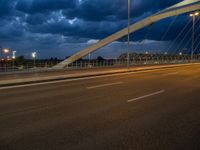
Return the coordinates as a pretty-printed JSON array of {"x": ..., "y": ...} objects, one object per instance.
[{"x": 153, "y": 110}]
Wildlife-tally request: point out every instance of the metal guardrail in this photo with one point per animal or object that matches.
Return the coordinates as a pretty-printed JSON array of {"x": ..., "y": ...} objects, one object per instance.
[
  {"x": 90, "y": 64},
  {"x": 24, "y": 68},
  {"x": 116, "y": 63}
]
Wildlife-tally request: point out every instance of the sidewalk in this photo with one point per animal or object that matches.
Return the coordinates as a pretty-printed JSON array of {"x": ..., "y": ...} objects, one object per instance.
[{"x": 18, "y": 79}]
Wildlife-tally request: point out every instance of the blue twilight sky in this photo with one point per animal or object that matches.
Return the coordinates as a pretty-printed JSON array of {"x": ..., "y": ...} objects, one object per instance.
[{"x": 59, "y": 28}]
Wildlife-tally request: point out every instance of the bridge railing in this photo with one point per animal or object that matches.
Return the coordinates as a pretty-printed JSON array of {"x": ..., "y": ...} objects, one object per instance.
[
  {"x": 87, "y": 64},
  {"x": 122, "y": 63}
]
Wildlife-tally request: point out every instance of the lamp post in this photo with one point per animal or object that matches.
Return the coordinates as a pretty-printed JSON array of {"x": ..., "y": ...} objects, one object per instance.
[
  {"x": 13, "y": 58},
  {"x": 193, "y": 15},
  {"x": 89, "y": 60},
  {"x": 34, "y": 57},
  {"x": 6, "y": 51},
  {"x": 146, "y": 53},
  {"x": 128, "y": 50}
]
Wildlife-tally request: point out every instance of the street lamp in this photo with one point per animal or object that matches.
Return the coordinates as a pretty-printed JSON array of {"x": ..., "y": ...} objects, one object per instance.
[
  {"x": 146, "y": 53},
  {"x": 13, "y": 54},
  {"x": 128, "y": 51},
  {"x": 6, "y": 51},
  {"x": 193, "y": 15},
  {"x": 34, "y": 54},
  {"x": 13, "y": 58},
  {"x": 89, "y": 60},
  {"x": 5, "y": 55}
]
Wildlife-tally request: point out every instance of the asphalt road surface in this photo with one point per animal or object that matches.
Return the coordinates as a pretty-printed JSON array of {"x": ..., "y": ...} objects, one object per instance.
[{"x": 153, "y": 110}]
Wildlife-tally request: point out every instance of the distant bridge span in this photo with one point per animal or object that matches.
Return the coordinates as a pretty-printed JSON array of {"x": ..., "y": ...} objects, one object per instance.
[{"x": 180, "y": 8}]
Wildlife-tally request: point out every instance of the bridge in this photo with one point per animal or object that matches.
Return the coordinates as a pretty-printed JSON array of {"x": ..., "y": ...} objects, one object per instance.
[
  {"x": 138, "y": 108},
  {"x": 177, "y": 9}
]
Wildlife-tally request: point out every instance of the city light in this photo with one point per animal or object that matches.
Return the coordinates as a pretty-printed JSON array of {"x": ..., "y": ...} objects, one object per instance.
[
  {"x": 13, "y": 54},
  {"x": 194, "y": 14},
  {"x": 6, "y": 50},
  {"x": 33, "y": 54}
]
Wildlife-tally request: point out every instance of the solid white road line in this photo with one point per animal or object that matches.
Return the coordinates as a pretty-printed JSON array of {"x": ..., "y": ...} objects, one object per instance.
[
  {"x": 145, "y": 96},
  {"x": 104, "y": 85}
]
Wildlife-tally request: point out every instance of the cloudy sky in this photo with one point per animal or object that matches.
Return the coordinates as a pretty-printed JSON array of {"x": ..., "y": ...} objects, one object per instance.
[{"x": 59, "y": 28}]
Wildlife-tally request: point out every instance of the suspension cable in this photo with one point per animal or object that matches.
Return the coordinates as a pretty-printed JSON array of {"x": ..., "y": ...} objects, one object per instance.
[
  {"x": 180, "y": 33},
  {"x": 196, "y": 38},
  {"x": 169, "y": 27}
]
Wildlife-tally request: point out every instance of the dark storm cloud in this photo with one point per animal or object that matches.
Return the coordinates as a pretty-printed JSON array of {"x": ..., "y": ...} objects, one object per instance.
[
  {"x": 39, "y": 6},
  {"x": 6, "y": 7},
  {"x": 80, "y": 28},
  {"x": 58, "y": 22},
  {"x": 53, "y": 16},
  {"x": 104, "y": 17},
  {"x": 95, "y": 10}
]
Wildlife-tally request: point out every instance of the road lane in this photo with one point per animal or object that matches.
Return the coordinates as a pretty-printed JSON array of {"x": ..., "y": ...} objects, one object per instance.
[
  {"x": 27, "y": 96},
  {"x": 61, "y": 91},
  {"x": 68, "y": 116}
]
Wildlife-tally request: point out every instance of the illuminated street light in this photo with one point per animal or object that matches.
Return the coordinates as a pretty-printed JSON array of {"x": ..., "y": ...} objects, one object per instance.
[
  {"x": 13, "y": 54},
  {"x": 13, "y": 58},
  {"x": 193, "y": 15},
  {"x": 6, "y": 51},
  {"x": 34, "y": 54}
]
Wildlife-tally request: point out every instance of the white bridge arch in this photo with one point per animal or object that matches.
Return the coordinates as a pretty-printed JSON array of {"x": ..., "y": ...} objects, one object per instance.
[{"x": 180, "y": 8}]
